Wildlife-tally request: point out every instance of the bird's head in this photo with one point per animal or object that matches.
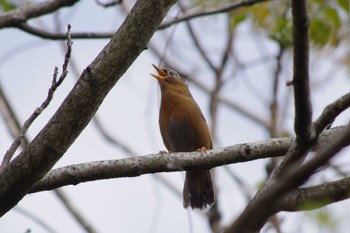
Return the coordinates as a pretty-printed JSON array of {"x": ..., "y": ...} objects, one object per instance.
[{"x": 169, "y": 79}]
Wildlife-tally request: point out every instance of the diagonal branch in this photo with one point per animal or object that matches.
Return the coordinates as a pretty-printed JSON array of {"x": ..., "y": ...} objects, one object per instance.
[
  {"x": 266, "y": 203},
  {"x": 331, "y": 111},
  {"x": 80, "y": 105},
  {"x": 316, "y": 196},
  {"x": 74, "y": 212}
]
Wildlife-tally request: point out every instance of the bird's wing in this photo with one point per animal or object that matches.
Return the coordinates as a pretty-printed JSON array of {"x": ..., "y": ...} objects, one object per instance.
[{"x": 182, "y": 135}]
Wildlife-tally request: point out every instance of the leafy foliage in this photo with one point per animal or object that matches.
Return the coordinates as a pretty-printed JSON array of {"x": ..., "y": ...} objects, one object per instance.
[
  {"x": 328, "y": 22},
  {"x": 5, "y": 5}
]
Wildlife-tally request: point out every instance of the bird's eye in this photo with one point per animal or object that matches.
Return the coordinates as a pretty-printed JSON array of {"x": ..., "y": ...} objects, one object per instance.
[{"x": 172, "y": 74}]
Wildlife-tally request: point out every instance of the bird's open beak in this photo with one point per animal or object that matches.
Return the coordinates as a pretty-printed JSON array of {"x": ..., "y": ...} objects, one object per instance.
[{"x": 161, "y": 73}]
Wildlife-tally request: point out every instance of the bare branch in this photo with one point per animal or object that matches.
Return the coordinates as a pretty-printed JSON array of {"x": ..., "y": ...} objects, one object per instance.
[
  {"x": 61, "y": 36},
  {"x": 35, "y": 219},
  {"x": 196, "y": 42},
  {"x": 136, "y": 166},
  {"x": 19, "y": 15},
  {"x": 303, "y": 107},
  {"x": 227, "y": 8},
  {"x": 265, "y": 204},
  {"x": 10, "y": 118},
  {"x": 331, "y": 112},
  {"x": 74, "y": 212},
  {"x": 316, "y": 196},
  {"x": 274, "y": 128}
]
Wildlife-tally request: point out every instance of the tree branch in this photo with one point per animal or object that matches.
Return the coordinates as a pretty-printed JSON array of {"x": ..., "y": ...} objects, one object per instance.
[
  {"x": 19, "y": 15},
  {"x": 74, "y": 212},
  {"x": 148, "y": 164},
  {"x": 265, "y": 204},
  {"x": 61, "y": 36},
  {"x": 302, "y": 102},
  {"x": 227, "y": 8},
  {"x": 18, "y": 178},
  {"x": 54, "y": 85},
  {"x": 14, "y": 127},
  {"x": 331, "y": 111},
  {"x": 314, "y": 197}
]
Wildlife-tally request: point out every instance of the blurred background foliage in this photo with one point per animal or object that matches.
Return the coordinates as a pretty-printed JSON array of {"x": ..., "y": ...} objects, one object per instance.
[{"x": 329, "y": 22}]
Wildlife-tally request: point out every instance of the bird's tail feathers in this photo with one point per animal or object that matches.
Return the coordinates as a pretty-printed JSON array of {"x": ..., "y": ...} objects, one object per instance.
[{"x": 198, "y": 189}]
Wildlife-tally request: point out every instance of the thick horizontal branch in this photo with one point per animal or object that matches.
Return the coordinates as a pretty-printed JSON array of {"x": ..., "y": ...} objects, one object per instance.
[
  {"x": 19, "y": 15},
  {"x": 167, "y": 162},
  {"x": 316, "y": 196}
]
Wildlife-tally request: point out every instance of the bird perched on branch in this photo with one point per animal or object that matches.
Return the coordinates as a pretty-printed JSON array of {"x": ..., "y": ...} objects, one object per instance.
[{"x": 184, "y": 129}]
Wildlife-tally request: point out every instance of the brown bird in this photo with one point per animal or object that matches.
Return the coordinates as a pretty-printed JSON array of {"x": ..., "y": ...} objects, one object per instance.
[{"x": 184, "y": 129}]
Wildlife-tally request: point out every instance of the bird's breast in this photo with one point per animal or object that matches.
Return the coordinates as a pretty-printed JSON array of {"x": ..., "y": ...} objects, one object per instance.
[{"x": 183, "y": 126}]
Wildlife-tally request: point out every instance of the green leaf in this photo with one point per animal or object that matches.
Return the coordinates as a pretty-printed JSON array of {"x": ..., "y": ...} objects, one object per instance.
[
  {"x": 6, "y": 6},
  {"x": 345, "y": 5},
  {"x": 237, "y": 19},
  {"x": 332, "y": 15},
  {"x": 320, "y": 32}
]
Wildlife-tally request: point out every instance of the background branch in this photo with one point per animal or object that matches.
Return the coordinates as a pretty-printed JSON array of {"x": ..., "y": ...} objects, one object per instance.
[{"x": 227, "y": 8}]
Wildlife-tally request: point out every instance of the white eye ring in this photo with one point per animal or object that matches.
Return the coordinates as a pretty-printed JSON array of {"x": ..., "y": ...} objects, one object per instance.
[{"x": 172, "y": 74}]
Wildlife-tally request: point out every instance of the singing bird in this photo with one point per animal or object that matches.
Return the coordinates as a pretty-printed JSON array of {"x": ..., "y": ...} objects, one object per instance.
[{"x": 184, "y": 129}]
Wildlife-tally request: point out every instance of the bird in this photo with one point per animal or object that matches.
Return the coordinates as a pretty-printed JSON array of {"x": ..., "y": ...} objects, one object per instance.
[{"x": 184, "y": 129}]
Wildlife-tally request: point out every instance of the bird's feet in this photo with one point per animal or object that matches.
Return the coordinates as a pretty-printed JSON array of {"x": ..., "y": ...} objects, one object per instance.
[{"x": 202, "y": 150}]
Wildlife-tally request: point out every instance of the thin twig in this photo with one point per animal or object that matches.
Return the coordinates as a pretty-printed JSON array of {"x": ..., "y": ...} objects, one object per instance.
[
  {"x": 34, "y": 218},
  {"x": 10, "y": 118},
  {"x": 54, "y": 85},
  {"x": 81, "y": 103},
  {"x": 14, "y": 17},
  {"x": 197, "y": 43},
  {"x": 61, "y": 36}
]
